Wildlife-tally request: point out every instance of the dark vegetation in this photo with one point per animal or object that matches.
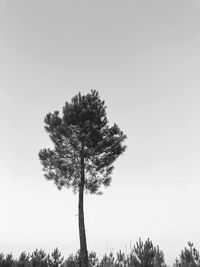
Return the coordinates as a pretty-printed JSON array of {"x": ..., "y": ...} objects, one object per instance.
[{"x": 143, "y": 254}]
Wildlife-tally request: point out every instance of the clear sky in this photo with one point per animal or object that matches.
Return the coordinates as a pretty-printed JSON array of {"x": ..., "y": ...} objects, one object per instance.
[{"x": 144, "y": 59}]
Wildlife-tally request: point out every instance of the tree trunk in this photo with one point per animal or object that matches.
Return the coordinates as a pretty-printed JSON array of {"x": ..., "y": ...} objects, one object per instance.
[{"x": 82, "y": 235}]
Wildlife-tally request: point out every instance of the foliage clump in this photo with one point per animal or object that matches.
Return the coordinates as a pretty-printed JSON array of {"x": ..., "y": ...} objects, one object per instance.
[
  {"x": 189, "y": 257},
  {"x": 81, "y": 132},
  {"x": 147, "y": 255}
]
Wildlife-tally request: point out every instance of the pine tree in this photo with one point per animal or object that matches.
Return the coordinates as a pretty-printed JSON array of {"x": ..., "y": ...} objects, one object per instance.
[
  {"x": 189, "y": 257},
  {"x": 147, "y": 255},
  {"x": 85, "y": 148},
  {"x": 55, "y": 259}
]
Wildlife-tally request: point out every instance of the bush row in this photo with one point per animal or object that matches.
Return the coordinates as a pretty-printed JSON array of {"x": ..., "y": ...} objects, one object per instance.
[{"x": 144, "y": 254}]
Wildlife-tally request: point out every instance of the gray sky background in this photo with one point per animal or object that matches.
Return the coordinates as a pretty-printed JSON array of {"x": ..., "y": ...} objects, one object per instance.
[{"x": 144, "y": 58}]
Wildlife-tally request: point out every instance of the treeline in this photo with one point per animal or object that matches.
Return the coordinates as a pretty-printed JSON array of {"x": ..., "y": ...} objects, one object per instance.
[{"x": 143, "y": 254}]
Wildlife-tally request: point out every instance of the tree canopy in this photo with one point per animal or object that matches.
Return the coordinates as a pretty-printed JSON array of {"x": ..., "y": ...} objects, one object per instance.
[{"x": 81, "y": 131}]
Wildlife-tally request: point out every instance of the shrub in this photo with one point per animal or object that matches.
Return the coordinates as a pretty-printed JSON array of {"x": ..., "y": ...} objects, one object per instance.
[
  {"x": 24, "y": 260},
  {"x": 55, "y": 259},
  {"x": 6, "y": 261},
  {"x": 39, "y": 258},
  {"x": 146, "y": 255},
  {"x": 189, "y": 257}
]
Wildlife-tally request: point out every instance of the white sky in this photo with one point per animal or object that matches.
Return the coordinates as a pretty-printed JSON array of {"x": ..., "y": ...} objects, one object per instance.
[{"x": 144, "y": 58}]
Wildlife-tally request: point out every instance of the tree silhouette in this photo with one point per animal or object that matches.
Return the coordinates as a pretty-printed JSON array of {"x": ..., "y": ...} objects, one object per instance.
[{"x": 85, "y": 148}]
